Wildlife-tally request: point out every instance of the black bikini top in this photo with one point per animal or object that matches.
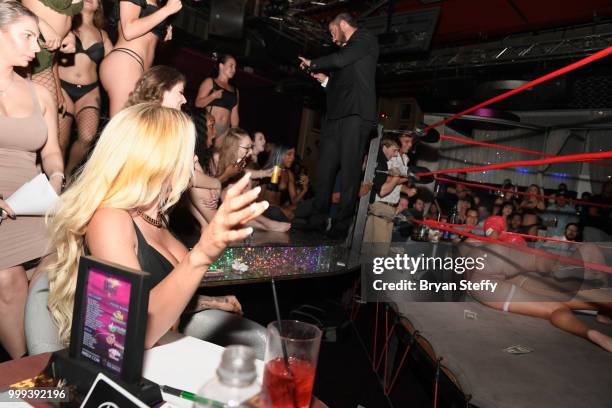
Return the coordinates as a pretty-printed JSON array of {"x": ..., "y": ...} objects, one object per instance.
[
  {"x": 228, "y": 98},
  {"x": 149, "y": 258},
  {"x": 146, "y": 10},
  {"x": 95, "y": 52}
]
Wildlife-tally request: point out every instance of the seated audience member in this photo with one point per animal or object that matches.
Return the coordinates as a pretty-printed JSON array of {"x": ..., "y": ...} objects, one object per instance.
[
  {"x": 476, "y": 200},
  {"x": 406, "y": 209},
  {"x": 516, "y": 220},
  {"x": 116, "y": 209},
  {"x": 449, "y": 200},
  {"x": 572, "y": 232},
  {"x": 562, "y": 189},
  {"x": 583, "y": 209},
  {"x": 559, "y": 215},
  {"x": 227, "y": 165},
  {"x": 531, "y": 224},
  {"x": 509, "y": 196},
  {"x": 507, "y": 209},
  {"x": 471, "y": 217},
  {"x": 403, "y": 227},
  {"x": 404, "y": 203},
  {"x": 483, "y": 212},
  {"x": 452, "y": 188},
  {"x": 535, "y": 201},
  {"x": 379, "y": 224},
  {"x": 462, "y": 206},
  {"x": 259, "y": 146},
  {"x": 471, "y": 220},
  {"x": 288, "y": 190},
  {"x": 418, "y": 205},
  {"x": 433, "y": 213},
  {"x": 497, "y": 206}
]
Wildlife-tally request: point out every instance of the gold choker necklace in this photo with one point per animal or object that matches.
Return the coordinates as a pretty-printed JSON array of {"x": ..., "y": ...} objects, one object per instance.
[{"x": 150, "y": 220}]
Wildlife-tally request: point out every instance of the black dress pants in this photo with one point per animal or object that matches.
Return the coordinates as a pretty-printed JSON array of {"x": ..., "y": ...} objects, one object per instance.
[{"x": 342, "y": 146}]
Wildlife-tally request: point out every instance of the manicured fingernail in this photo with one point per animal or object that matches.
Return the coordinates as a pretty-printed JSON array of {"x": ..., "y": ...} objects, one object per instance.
[
  {"x": 250, "y": 230},
  {"x": 258, "y": 189},
  {"x": 265, "y": 204}
]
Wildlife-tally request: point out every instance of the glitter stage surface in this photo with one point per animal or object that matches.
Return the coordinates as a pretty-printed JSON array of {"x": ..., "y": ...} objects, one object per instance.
[{"x": 281, "y": 256}]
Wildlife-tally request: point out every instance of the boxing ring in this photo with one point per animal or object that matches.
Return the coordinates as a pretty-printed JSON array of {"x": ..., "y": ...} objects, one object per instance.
[
  {"x": 563, "y": 370},
  {"x": 469, "y": 346}
]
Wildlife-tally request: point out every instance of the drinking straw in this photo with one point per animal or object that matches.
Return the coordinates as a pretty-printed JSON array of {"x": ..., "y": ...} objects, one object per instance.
[{"x": 283, "y": 345}]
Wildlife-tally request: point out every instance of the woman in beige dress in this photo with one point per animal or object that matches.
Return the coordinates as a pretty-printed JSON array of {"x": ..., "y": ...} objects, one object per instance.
[{"x": 28, "y": 126}]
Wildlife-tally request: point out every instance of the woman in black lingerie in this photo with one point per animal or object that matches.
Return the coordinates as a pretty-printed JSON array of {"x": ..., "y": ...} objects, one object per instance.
[
  {"x": 141, "y": 24},
  {"x": 220, "y": 98},
  {"x": 78, "y": 74}
]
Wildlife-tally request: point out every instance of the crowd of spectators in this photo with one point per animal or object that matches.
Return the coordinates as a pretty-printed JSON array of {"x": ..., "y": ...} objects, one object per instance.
[{"x": 558, "y": 214}]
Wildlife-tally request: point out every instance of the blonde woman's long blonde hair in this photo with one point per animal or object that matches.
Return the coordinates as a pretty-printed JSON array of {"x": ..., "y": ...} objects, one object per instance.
[{"x": 145, "y": 154}]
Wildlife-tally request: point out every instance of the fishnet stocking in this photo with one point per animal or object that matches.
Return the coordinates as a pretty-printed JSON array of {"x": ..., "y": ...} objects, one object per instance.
[
  {"x": 87, "y": 120},
  {"x": 65, "y": 128}
]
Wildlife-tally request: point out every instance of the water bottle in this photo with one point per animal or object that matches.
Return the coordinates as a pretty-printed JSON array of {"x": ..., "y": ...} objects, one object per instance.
[
  {"x": 235, "y": 382},
  {"x": 452, "y": 220}
]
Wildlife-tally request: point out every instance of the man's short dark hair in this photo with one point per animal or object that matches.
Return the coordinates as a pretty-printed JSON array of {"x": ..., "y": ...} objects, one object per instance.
[
  {"x": 389, "y": 141},
  {"x": 570, "y": 224},
  {"x": 346, "y": 17}
]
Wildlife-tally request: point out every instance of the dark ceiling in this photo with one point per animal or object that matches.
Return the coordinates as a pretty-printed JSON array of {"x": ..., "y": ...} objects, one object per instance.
[{"x": 472, "y": 50}]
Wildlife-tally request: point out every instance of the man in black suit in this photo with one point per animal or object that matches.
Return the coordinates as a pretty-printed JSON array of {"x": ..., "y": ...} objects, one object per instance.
[{"x": 351, "y": 116}]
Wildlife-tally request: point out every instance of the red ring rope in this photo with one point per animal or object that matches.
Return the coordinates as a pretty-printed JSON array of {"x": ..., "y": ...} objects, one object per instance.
[
  {"x": 587, "y": 60},
  {"x": 505, "y": 190},
  {"x": 463, "y": 227},
  {"x": 557, "y": 159},
  {"x": 533, "y": 251}
]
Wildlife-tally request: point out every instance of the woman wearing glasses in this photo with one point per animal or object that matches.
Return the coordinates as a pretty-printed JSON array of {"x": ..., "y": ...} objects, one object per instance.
[
  {"x": 226, "y": 165},
  {"x": 78, "y": 75},
  {"x": 28, "y": 131}
]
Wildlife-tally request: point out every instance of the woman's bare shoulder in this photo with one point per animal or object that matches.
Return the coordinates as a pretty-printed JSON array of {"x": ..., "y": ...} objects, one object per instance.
[{"x": 110, "y": 220}]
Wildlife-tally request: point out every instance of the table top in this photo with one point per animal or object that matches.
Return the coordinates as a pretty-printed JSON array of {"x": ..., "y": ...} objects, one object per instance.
[
  {"x": 253, "y": 264},
  {"x": 179, "y": 361}
]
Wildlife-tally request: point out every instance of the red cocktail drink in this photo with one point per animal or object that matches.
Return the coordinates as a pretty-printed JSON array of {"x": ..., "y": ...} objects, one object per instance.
[
  {"x": 282, "y": 389},
  {"x": 296, "y": 344}
]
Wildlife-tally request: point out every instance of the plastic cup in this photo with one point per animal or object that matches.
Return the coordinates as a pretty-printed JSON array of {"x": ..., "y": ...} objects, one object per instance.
[{"x": 288, "y": 383}]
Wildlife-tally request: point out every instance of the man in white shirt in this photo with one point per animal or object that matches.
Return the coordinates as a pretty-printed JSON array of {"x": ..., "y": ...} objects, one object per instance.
[{"x": 387, "y": 188}]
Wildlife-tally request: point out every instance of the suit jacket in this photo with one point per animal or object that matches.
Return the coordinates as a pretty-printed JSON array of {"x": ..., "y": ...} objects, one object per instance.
[{"x": 351, "y": 88}]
